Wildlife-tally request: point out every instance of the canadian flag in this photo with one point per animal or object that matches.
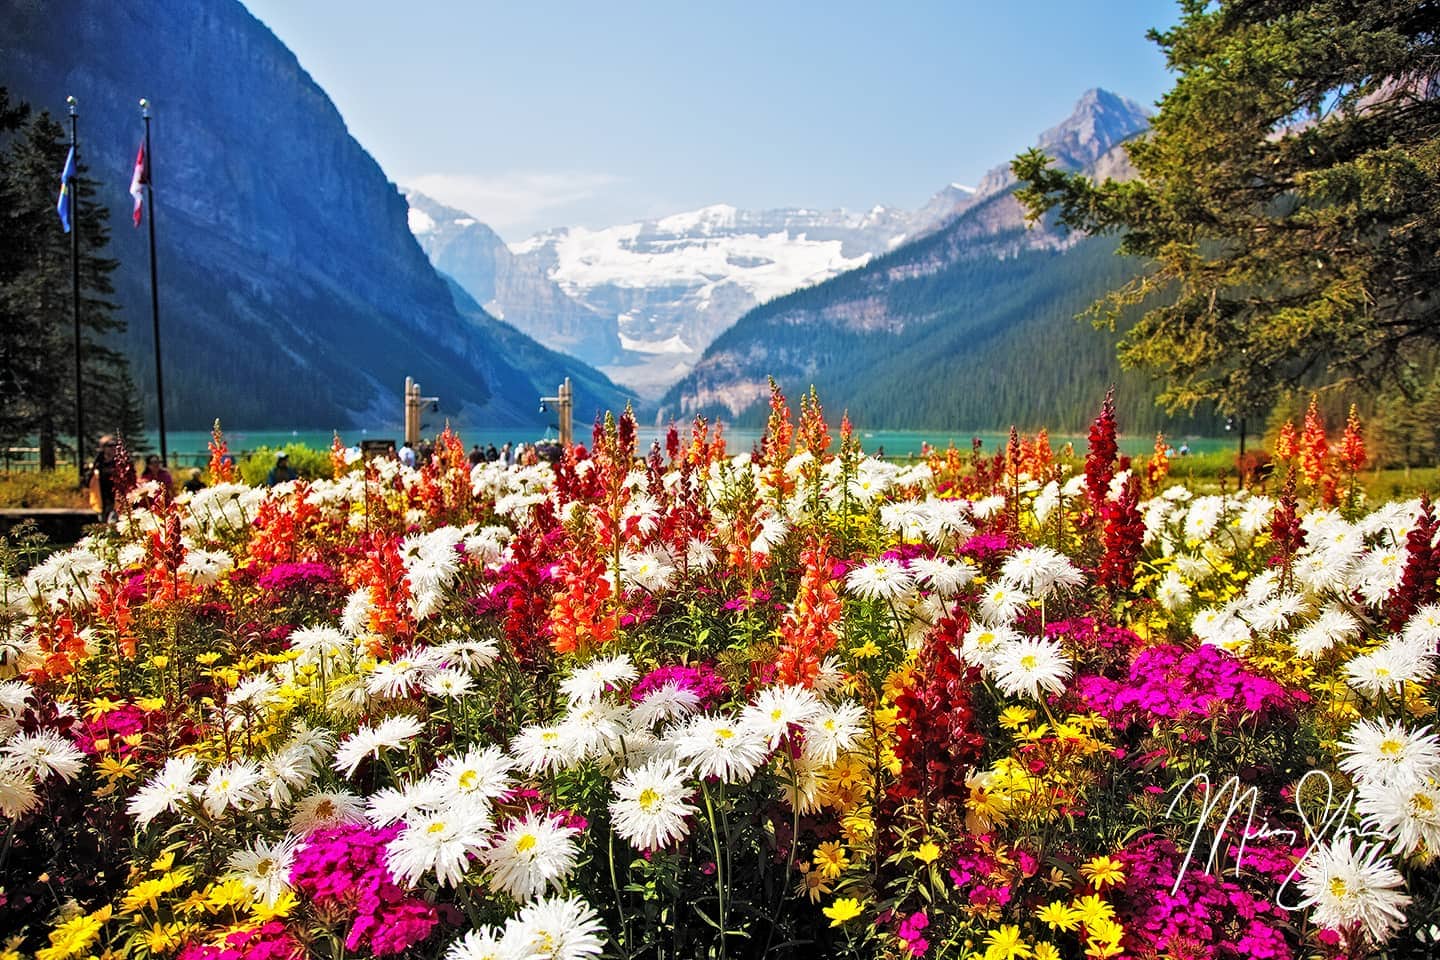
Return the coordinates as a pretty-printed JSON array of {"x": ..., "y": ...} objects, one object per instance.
[{"x": 138, "y": 181}]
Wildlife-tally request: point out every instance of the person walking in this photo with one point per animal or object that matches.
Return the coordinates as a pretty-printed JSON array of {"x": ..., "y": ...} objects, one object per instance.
[{"x": 101, "y": 479}]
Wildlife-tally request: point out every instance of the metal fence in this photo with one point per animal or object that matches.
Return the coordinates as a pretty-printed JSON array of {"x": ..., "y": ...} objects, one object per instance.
[{"x": 27, "y": 459}]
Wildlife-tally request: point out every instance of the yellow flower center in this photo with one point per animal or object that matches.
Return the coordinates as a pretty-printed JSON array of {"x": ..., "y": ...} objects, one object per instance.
[
  {"x": 525, "y": 843},
  {"x": 1423, "y": 803},
  {"x": 468, "y": 779},
  {"x": 1391, "y": 747},
  {"x": 1029, "y": 662},
  {"x": 437, "y": 827},
  {"x": 1338, "y": 887},
  {"x": 725, "y": 733},
  {"x": 776, "y": 714},
  {"x": 648, "y": 800}
]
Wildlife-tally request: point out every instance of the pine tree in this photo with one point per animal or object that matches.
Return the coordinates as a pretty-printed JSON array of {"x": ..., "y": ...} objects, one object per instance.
[
  {"x": 1287, "y": 200},
  {"x": 37, "y": 343}
]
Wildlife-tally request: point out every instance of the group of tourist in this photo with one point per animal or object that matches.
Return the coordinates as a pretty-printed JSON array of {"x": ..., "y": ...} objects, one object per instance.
[{"x": 100, "y": 478}]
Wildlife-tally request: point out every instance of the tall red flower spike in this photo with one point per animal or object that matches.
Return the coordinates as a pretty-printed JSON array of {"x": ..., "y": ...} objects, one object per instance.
[
  {"x": 1100, "y": 461},
  {"x": 1418, "y": 584}
]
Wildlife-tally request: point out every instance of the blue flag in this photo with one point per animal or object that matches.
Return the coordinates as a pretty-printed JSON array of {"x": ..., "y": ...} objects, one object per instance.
[{"x": 67, "y": 178}]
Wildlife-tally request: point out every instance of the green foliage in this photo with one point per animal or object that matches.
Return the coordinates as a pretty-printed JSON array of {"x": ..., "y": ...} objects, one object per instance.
[
  {"x": 41, "y": 488},
  {"x": 309, "y": 463},
  {"x": 1286, "y": 202}
]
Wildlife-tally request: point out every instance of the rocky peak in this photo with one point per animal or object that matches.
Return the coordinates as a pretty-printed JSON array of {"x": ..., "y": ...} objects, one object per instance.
[{"x": 1100, "y": 120}]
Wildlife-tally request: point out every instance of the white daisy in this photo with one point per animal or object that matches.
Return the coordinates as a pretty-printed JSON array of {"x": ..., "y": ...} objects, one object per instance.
[
  {"x": 442, "y": 842},
  {"x": 1385, "y": 752},
  {"x": 320, "y": 644},
  {"x": 44, "y": 753},
  {"x": 1030, "y": 665},
  {"x": 470, "y": 654},
  {"x": 264, "y": 867},
  {"x": 529, "y": 856},
  {"x": 539, "y": 748},
  {"x": 945, "y": 577},
  {"x": 1001, "y": 602},
  {"x": 205, "y": 567},
  {"x": 326, "y": 809},
  {"x": 1347, "y": 885},
  {"x": 174, "y": 784},
  {"x": 1379, "y": 573},
  {"x": 777, "y": 709},
  {"x": 669, "y": 701},
  {"x": 355, "y": 620},
  {"x": 17, "y": 791},
  {"x": 491, "y": 943},
  {"x": 557, "y": 929},
  {"x": 450, "y": 683},
  {"x": 1331, "y": 627},
  {"x": 1408, "y": 813},
  {"x": 1040, "y": 571},
  {"x": 982, "y": 643},
  {"x": 389, "y": 734},
  {"x": 1275, "y": 613},
  {"x": 480, "y": 774},
  {"x": 392, "y": 804},
  {"x": 592, "y": 680},
  {"x": 834, "y": 731},
  {"x": 699, "y": 556},
  {"x": 236, "y": 784},
  {"x": 880, "y": 580},
  {"x": 1386, "y": 669},
  {"x": 1172, "y": 592},
  {"x": 592, "y": 729},
  {"x": 650, "y": 806},
  {"x": 801, "y": 781},
  {"x": 254, "y": 693},
  {"x": 649, "y": 570},
  {"x": 719, "y": 746}
]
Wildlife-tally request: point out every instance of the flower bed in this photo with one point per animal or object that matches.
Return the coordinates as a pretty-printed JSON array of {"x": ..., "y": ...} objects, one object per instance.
[{"x": 798, "y": 702}]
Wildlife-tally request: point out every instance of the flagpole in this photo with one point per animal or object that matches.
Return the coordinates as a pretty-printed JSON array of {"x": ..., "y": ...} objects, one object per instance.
[
  {"x": 154, "y": 285},
  {"x": 75, "y": 290}
]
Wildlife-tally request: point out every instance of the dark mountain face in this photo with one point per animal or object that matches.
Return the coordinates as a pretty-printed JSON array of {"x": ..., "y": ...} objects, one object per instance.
[{"x": 291, "y": 290}]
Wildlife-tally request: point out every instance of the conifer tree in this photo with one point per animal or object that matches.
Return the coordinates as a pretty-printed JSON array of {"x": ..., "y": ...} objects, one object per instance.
[
  {"x": 37, "y": 348},
  {"x": 1288, "y": 199}
]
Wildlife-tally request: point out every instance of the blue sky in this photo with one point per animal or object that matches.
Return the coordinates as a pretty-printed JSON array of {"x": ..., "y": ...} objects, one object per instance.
[{"x": 534, "y": 115}]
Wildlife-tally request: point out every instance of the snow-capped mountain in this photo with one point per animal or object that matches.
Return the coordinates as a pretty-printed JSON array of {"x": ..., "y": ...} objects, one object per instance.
[
  {"x": 664, "y": 289},
  {"x": 675, "y": 283}
]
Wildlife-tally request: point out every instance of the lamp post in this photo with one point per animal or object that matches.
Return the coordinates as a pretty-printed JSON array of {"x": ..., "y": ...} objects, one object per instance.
[
  {"x": 413, "y": 403},
  {"x": 564, "y": 401}
]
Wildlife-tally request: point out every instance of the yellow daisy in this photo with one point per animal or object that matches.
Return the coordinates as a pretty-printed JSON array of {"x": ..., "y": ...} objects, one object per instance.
[
  {"x": 1102, "y": 871},
  {"x": 831, "y": 859},
  {"x": 844, "y": 909}
]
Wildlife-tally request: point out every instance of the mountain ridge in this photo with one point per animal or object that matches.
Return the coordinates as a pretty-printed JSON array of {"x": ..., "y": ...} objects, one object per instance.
[
  {"x": 292, "y": 292},
  {"x": 666, "y": 287}
]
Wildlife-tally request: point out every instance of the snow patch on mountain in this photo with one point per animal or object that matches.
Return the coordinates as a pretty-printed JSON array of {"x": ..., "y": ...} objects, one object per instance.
[{"x": 684, "y": 253}]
